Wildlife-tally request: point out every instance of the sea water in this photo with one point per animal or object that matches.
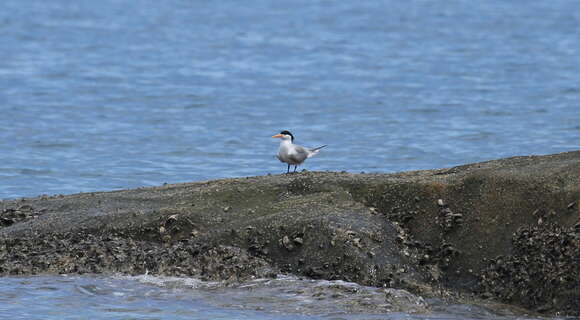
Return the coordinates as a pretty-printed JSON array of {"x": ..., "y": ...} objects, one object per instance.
[
  {"x": 112, "y": 94},
  {"x": 285, "y": 298}
]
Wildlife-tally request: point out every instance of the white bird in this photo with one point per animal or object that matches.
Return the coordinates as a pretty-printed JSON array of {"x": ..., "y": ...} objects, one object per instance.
[{"x": 291, "y": 153}]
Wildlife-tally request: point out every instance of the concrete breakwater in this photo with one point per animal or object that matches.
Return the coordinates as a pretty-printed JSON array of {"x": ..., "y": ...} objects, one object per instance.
[{"x": 506, "y": 229}]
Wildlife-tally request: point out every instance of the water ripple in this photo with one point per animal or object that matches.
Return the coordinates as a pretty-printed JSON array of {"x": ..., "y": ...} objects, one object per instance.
[{"x": 96, "y": 99}]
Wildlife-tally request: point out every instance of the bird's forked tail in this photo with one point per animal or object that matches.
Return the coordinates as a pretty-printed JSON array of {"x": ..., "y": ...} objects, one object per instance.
[{"x": 315, "y": 151}]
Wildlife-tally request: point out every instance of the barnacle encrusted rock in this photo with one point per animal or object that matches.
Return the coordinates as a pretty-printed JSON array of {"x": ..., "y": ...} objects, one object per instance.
[{"x": 504, "y": 229}]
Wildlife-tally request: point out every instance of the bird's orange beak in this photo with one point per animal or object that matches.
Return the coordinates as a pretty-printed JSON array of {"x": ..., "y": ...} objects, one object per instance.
[{"x": 277, "y": 136}]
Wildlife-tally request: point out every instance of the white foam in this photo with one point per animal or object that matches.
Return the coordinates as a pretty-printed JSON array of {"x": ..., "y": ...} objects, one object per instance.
[{"x": 167, "y": 281}]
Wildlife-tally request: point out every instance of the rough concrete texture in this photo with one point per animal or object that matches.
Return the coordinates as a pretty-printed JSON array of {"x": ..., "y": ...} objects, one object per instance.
[{"x": 506, "y": 229}]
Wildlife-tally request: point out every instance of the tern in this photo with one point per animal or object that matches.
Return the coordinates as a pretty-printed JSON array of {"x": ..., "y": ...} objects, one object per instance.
[{"x": 291, "y": 153}]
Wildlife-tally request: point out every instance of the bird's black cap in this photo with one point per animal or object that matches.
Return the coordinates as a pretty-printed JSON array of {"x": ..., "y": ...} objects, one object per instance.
[{"x": 288, "y": 133}]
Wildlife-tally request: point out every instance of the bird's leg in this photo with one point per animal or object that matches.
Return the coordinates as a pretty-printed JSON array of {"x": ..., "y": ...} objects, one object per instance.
[
  {"x": 288, "y": 169},
  {"x": 295, "y": 167}
]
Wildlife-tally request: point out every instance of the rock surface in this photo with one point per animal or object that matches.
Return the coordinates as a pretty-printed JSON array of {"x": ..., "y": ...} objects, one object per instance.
[{"x": 507, "y": 229}]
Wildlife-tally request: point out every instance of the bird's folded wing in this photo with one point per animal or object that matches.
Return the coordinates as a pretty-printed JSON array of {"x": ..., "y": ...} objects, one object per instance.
[{"x": 299, "y": 154}]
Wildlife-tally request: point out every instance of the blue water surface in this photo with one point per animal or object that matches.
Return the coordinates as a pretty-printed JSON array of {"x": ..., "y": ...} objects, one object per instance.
[
  {"x": 147, "y": 297},
  {"x": 100, "y": 95}
]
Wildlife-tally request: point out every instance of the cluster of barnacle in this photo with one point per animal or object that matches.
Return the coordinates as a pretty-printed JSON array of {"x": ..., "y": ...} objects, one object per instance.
[
  {"x": 542, "y": 274},
  {"x": 402, "y": 215},
  {"x": 88, "y": 253},
  {"x": 290, "y": 244},
  {"x": 176, "y": 226},
  {"x": 301, "y": 186},
  {"x": 430, "y": 257},
  {"x": 11, "y": 216},
  {"x": 447, "y": 219}
]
